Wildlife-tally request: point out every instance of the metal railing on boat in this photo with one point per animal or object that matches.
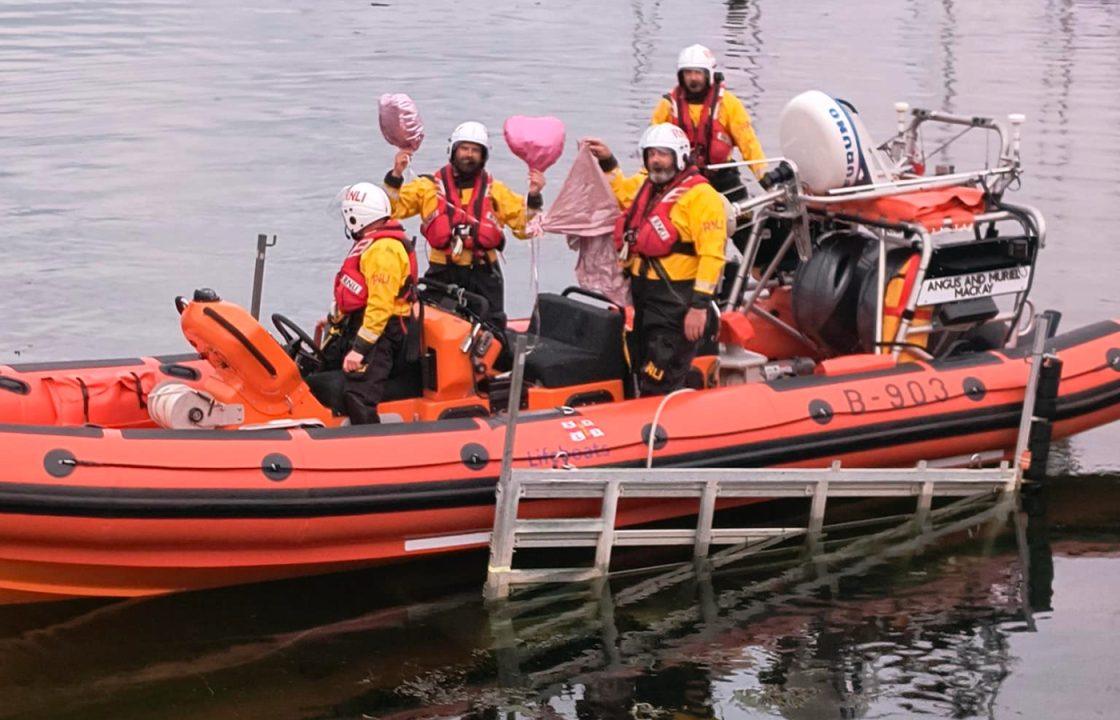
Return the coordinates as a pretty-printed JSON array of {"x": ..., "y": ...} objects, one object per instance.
[{"x": 708, "y": 486}]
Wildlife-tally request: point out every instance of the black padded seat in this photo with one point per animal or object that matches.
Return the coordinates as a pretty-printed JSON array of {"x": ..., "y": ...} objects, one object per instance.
[
  {"x": 327, "y": 386},
  {"x": 578, "y": 343}
]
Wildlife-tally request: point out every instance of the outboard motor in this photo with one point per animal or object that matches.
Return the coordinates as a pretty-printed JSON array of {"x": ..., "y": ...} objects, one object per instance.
[{"x": 828, "y": 142}]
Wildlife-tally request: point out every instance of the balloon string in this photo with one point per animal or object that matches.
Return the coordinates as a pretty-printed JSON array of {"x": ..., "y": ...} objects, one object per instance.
[{"x": 534, "y": 280}]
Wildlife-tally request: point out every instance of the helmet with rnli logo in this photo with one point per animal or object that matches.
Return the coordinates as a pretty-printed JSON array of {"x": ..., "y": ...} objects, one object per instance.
[
  {"x": 472, "y": 132},
  {"x": 697, "y": 57},
  {"x": 363, "y": 203},
  {"x": 666, "y": 136}
]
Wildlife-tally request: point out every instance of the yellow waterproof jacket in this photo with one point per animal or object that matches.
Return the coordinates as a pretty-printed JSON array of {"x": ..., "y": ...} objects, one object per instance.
[
  {"x": 732, "y": 115},
  {"x": 421, "y": 197},
  {"x": 386, "y": 268},
  {"x": 700, "y": 218}
]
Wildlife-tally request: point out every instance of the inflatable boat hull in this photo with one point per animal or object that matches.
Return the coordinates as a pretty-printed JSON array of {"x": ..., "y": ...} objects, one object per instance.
[{"x": 94, "y": 511}]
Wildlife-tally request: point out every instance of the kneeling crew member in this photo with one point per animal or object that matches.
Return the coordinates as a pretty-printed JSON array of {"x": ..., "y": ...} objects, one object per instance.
[
  {"x": 463, "y": 210},
  {"x": 671, "y": 238},
  {"x": 373, "y": 295}
]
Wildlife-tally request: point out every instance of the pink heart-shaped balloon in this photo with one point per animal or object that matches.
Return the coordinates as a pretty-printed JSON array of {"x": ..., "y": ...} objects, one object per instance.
[{"x": 539, "y": 141}]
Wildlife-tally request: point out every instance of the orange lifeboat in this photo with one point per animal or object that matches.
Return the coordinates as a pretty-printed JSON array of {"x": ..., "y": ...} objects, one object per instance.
[{"x": 97, "y": 503}]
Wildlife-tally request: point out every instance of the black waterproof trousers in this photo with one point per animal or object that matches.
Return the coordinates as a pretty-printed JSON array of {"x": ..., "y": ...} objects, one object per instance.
[
  {"x": 662, "y": 355},
  {"x": 362, "y": 390}
]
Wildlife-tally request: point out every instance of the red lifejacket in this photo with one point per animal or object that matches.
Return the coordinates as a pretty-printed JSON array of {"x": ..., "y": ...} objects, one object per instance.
[
  {"x": 711, "y": 141},
  {"x": 350, "y": 289},
  {"x": 646, "y": 228},
  {"x": 475, "y": 225}
]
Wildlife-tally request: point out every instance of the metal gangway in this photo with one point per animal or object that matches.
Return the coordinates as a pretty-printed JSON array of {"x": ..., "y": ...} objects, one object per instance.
[{"x": 708, "y": 486}]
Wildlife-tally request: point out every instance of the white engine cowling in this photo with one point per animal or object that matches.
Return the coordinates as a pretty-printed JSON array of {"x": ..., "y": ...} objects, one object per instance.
[{"x": 828, "y": 143}]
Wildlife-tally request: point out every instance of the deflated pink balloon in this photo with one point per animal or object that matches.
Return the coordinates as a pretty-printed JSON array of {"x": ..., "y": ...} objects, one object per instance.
[
  {"x": 539, "y": 141},
  {"x": 400, "y": 121}
]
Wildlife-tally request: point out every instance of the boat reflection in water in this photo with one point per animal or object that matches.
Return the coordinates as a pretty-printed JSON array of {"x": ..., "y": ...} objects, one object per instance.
[{"x": 889, "y": 621}]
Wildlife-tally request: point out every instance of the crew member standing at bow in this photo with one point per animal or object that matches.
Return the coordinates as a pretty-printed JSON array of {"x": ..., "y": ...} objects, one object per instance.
[
  {"x": 671, "y": 238},
  {"x": 463, "y": 211},
  {"x": 373, "y": 295},
  {"x": 714, "y": 120}
]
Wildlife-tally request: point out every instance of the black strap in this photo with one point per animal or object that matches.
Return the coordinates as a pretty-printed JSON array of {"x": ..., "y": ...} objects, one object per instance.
[
  {"x": 661, "y": 273},
  {"x": 680, "y": 247},
  {"x": 85, "y": 399},
  {"x": 139, "y": 391},
  {"x": 240, "y": 337},
  {"x": 408, "y": 288}
]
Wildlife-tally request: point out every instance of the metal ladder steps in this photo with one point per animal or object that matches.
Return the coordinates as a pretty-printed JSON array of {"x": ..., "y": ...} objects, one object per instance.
[
  {"x": 568, "y": 532},
  {"x": 708, "y": 486},
  {"x": 696, "y": 483}
]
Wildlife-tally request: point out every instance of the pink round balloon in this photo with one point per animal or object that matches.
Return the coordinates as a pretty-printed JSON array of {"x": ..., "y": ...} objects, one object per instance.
[{"x": 400, "y": 121}]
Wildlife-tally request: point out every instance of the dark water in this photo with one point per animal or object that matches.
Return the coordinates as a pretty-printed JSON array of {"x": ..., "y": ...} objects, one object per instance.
[
  {"x": 991, "y": 613},
  {"x": 143, "y": 145}
]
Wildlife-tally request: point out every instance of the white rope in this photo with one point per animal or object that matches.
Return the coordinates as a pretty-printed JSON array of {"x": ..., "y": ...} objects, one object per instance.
[
  {"x": 656, "y": 418},
  {"x": 534, "y": 228}
]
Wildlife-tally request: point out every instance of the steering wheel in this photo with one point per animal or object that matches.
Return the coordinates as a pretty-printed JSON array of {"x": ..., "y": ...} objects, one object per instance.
[{"x": 299, "y": 345}]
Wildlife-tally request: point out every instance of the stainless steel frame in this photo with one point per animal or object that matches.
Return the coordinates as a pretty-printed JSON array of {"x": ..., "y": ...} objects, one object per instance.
[{"x": 788, "y": 201}]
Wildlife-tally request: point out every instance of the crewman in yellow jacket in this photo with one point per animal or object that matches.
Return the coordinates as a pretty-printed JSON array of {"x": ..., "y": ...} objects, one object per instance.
[
  {"x": 463, "y": 211},
  {"x": 715, "y": 121},
  {"x": 373, "y": 300},
  {"x": 671, "y": 239}
]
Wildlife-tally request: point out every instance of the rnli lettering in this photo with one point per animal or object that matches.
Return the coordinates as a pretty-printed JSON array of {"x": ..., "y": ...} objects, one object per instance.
[
  {"x": 653, "y": 371},
  {"x": 350, "y": 284},
  {"x": 355, "y": 196},
  {"x": 659, "y": 227},
  {"x": 895, "y": 396}
]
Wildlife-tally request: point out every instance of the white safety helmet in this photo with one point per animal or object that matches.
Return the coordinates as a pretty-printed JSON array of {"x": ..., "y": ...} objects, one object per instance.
[
  {"x": 472, "y": 132},
  {"x": 697, "y": 57},
  {"x": 363, "y": 203},
  {"x": 666, "y": 136}
]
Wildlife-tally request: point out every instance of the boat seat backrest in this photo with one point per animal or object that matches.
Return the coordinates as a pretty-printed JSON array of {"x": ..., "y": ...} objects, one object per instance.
[
  {"x": 574, "y": 322},
  {"x": 580, "y": 342}
]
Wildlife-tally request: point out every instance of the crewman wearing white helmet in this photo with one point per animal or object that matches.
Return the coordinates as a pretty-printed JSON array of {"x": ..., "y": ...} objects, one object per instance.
[
  {"x": 374, "y": 294},
  {"x": 671, "y": 239},
  {"x": 463, "y": 211},
  {"x": 714, "y": 120}
]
